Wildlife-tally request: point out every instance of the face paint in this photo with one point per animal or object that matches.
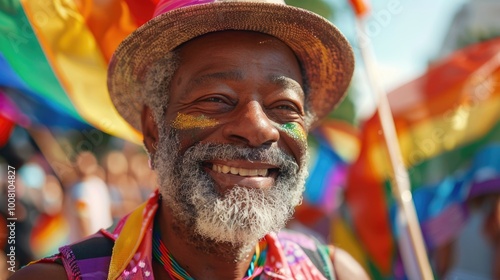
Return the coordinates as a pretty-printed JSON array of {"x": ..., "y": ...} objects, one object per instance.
[
  {"x": 294, "y": 130},
  {"x": 183, "y": 121}
]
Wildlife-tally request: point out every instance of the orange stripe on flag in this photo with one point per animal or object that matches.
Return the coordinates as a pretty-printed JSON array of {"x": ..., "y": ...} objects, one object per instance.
[
  {"x": 360, "y": 7},
  {"x": 109, "y": 21}
]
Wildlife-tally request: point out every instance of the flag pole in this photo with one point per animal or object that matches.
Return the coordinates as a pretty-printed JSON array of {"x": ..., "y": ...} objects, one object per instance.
[{"x": 400, "y": 184}]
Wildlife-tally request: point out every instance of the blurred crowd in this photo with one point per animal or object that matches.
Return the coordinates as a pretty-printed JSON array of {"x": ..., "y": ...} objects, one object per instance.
[{"x": 54, "y": 208}]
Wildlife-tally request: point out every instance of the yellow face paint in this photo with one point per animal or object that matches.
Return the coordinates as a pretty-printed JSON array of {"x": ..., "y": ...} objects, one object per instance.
[
  {"x": 294, "y": 130},
  {"x": 184, "y": 121}
]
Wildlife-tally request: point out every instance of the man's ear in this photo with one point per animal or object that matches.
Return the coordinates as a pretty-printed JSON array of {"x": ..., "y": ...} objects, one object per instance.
[{"x": 149, "y": 130}]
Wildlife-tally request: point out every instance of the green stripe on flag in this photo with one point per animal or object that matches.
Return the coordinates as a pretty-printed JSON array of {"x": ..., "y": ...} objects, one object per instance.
[
  {"x": 439, "y": 167},
  {"x": 20, "y": 46}
]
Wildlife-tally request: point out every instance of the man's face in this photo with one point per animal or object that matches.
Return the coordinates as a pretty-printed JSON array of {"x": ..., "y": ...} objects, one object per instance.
[{"x": 231, "y": 157}]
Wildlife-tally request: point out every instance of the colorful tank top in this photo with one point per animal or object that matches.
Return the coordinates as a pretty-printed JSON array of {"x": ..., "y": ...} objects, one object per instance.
[{"x": 125, "y": 252}]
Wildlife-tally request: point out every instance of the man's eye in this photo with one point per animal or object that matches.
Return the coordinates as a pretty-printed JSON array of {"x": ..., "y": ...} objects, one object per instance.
[
  {"x": 215, "y": 99},
  {"x": 214, "y": 103},
  {"x": 287, "y": 107}
]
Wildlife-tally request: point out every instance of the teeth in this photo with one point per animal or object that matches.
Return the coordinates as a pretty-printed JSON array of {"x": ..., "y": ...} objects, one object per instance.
[
  {"x": 253, "y": 172},
  {"x": 244, "y": 172},
  {"x": 239, "y": 171}
]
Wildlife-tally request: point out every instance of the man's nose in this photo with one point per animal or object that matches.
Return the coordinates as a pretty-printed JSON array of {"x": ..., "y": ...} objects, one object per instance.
[{"x": 251, "y": 126}]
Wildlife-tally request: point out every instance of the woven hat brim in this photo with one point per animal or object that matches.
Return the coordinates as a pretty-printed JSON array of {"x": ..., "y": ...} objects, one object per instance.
[{"x": 322, "y": 50}]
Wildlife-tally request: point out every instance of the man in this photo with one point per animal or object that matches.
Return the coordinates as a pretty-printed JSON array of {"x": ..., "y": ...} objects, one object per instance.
[{"x": 224, "y": 93}]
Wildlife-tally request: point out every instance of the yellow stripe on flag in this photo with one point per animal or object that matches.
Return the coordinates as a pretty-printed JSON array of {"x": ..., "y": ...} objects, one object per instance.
[
  {"x": 433, "y": 136},
  {"x": 78, "y": 63}
]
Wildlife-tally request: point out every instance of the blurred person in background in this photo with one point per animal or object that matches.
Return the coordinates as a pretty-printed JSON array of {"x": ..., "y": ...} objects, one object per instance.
[
  {"x": 29, "y": 181},
  {"x": 144, "y": 176},
  {"x": 52, "y": 196},
  {"x": 88, "y": 201},
  {"x": 490, "y": 204},
  {"x": 51, "y": 229},
  {"x": 123, "y": 188},
  {"x": 458, "y": 258},
  {"x": 30, "y": 201}
]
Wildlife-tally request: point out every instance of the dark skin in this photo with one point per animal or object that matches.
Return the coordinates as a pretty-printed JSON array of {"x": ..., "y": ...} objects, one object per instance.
[{"x": 250, "y": 87}]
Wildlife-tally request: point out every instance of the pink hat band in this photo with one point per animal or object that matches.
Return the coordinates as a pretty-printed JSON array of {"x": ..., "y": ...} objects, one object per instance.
[{"x": 164, "y": 6}]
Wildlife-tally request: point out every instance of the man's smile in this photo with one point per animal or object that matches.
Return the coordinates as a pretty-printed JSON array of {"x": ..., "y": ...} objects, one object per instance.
[
  {"x": 240, "y": 171},
  {"x": 245, "y": 174}
]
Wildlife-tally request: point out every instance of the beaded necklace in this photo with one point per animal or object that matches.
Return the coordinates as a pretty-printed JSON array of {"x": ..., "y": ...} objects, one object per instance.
[
  {"x": 162, "y": 255},
  {"x": 176, "y": 272}
]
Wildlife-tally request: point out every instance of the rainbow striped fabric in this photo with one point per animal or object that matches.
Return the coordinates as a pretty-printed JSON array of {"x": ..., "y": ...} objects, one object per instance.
[
  {"x": 56, "y": 53},
  {"x": 443, "y": 120}
]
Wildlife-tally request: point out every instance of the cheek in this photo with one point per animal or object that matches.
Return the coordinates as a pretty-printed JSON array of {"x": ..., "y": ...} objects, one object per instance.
[
  {"x": 295, "y": 131},
  {"x": 295, "y": 137},
  {"x": 187, "y": 138},
  {"x": 192, "y": 129},
  {"x": 189, "y": 122}
]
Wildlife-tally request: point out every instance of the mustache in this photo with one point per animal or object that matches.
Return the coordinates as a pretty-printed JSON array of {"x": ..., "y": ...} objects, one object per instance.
[{"x": 269, "y": 155}]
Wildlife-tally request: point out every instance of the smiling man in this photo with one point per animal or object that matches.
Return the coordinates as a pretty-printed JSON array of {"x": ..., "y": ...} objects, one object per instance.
[{"x": 224, "y": 93}]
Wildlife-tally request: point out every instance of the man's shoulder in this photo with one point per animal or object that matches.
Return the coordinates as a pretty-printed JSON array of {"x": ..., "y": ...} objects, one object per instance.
[
  {"x": 334, "y": 262},
  {"x": 346, "y": 267},
  {"x": 305, "y": 240},
  {"x": 41, "y": 271},
  {"x": 99, "y": 244},
  {"x": 317, "y": 252},
  {"x": 95, "y": 250}
]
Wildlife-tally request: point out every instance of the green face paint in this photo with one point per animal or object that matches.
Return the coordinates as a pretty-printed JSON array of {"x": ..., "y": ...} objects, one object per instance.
[
  {"x": 184, "y": 121},
  {"x": 294, "y": 130}
]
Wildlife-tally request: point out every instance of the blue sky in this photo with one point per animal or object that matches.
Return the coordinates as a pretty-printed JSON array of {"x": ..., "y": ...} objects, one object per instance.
[{"x": 406, "y": 35}]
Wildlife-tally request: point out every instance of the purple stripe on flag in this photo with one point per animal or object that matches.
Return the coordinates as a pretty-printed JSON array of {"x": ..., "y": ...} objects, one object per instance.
[
  {"x": 334, "y": 183},
  {"x": 491, "y": 186},
  {"x": 10, "y": 111}
]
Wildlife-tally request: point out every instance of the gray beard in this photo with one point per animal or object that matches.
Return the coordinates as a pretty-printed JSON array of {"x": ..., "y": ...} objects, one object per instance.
[{"x": 241, "y": 216}]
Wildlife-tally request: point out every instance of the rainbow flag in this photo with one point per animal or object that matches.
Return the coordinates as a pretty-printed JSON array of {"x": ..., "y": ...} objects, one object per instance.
[
  {"x": 442, "y": 119},
  {"x": 48, "y": 234},
  {"x": 333, "y": 145},
  {"x": 327, "y": 173},
  {"x": 56, "y": 53}
]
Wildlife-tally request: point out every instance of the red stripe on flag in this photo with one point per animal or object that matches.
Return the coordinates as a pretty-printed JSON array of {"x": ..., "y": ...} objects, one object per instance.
[
  {"x": 141, "y": 11},
  {"x": 6, "y": 127}
]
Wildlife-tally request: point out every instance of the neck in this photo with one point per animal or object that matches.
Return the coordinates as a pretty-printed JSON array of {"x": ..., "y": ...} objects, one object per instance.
[{"x": 200, "y": 257}]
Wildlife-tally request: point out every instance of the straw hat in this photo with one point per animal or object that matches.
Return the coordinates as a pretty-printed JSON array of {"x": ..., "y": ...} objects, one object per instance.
[{"x": 323, "y": 52}]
